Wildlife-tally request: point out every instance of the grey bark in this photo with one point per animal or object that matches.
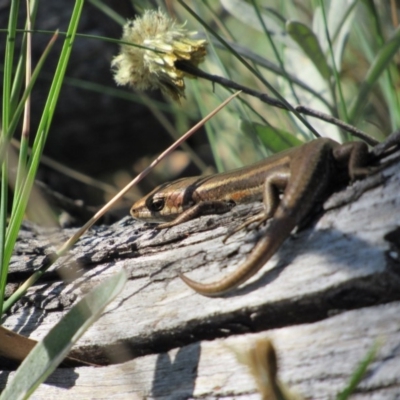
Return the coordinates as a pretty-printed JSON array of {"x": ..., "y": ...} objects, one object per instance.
[{"x": 330, "y": 292}]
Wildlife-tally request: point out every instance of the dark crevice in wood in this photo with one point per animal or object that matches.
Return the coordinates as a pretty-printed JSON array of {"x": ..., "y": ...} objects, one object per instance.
[{"x": 349, "y": 296}]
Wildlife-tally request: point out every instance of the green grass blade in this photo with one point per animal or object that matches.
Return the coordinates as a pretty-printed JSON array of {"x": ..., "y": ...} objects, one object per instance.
[
  {"x": 8, "y": 65},
  {"x": 42, "y": 132},
  {"x": 26, "y": 60},
  {"x": 21, "y": 172},
  {"x": 6, "y": 116},
  {"x": 49, "y": 352},
  {"x": 388, "y": 82},
  {"x": 379, "y": 65},
  {"x": 3, "y": 224},
  {"x": 55, "y": 88},
  {"x": 358, "y": 374}
]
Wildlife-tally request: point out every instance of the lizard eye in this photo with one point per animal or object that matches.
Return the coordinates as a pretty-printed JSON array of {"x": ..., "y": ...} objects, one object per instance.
[{"x": 157, "y": 204}]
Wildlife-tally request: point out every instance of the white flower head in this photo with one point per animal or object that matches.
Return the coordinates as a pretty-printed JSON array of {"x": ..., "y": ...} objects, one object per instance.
[{"x": 154, "y": 67}]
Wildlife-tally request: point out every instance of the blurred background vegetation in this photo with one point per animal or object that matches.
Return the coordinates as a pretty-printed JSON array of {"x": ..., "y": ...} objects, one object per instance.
[{"x": 333, "y": 56}]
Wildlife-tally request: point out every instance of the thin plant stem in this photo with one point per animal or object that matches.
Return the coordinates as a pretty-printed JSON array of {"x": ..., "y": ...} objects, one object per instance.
[{"x": 274, "y": 102}]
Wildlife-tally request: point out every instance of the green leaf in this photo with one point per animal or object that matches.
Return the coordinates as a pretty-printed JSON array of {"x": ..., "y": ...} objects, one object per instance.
[
  {"x": 49, "y": 352},
  {"x": 307, "y": 40},
  {"x": 274, "y": 139},
  {"x": 340, "y": 22}
]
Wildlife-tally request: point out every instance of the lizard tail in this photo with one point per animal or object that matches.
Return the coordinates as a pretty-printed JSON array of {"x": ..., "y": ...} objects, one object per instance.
[{"x": 277, "y": 232}]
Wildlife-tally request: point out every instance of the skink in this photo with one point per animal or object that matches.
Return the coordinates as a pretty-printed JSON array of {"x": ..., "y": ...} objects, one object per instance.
[{"x": 304, "y": 175}]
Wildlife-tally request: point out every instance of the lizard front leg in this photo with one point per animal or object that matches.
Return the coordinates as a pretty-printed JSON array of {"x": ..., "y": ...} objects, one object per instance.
[{"x": 274, "y": 185}]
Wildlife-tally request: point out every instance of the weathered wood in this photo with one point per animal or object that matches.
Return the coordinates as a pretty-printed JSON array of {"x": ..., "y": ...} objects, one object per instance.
[
  {"x": 348, "y": 259},
  {"x": 316, "y": 360}
]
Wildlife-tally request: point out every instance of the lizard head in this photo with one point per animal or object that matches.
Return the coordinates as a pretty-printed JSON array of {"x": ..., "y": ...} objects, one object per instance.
[{"x": 165, "y": 202}]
